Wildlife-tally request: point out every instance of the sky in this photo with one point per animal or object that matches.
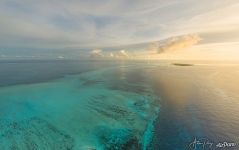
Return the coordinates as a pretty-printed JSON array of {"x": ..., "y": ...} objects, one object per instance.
[{"x": 132, "y": 29}]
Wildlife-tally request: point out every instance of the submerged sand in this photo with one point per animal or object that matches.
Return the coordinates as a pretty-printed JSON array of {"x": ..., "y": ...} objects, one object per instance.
[{"x": 102, "y": 109}]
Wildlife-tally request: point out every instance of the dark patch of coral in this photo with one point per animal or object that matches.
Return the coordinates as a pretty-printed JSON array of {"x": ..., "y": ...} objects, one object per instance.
[
  {"x": 33, "y": 134},
  {"x": 117, "y": 139},
  {"x": 112, "y": 111},
  {"x": 88, "y": 82},
  {"x": 123, "y": 86}
]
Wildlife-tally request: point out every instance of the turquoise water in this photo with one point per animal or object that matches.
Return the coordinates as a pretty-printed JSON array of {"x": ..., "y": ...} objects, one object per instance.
[
  {"x": 100, "y": 109},
  {"x": 84, "y": 105}
]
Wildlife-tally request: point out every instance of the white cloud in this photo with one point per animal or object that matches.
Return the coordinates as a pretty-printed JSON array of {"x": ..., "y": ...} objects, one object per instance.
[
  {"x": 122, "y": 53},
  {"x": 60, "y": 57},
  {"x": 96, "y": 53},
  {"x": 111, "y": 55}
]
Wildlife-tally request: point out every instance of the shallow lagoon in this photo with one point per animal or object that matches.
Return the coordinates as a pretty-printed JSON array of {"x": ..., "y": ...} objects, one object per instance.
[{"x": 101, "y": 109}]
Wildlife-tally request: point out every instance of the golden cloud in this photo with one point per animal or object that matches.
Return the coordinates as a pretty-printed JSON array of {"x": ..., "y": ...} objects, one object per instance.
[{"x": 177, "y": 43}]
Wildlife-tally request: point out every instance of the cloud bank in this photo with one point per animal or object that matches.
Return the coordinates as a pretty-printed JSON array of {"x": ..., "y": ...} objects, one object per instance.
[
  {"x": 88, "y": 24},
  {"x": 100, "y": 54},
  {"x": 175, "y": 43}
]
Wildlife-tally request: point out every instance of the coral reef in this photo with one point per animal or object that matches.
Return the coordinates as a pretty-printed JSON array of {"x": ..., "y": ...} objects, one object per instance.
[
  {"x": 117, "y": 139},
  {"x": 33, "y": 134}
]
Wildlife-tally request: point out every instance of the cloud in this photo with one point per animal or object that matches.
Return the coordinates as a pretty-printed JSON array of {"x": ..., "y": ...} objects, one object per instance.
[
  {"x": 176, "y": 43},
  {"x": 99, "y": 54},
  {"x": 96, "y": 53},
  {"x": 60, "y": 57},
  {"x": 153, "y": 47},
  {"x": 50, "y": 24},
  {"x": 111, "y": 55},
  {"x": 121, "y": 54}
]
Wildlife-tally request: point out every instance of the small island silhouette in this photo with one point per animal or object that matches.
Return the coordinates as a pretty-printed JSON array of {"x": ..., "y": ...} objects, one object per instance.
[{"x": 182, "y": 64}]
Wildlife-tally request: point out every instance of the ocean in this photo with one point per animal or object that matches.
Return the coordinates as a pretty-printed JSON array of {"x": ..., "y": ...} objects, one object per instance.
[{"x": 117, "y": 105}]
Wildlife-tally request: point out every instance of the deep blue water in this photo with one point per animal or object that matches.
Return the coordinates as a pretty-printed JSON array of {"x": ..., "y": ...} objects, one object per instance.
[
  {"x": 116, "y": 105},
  {"x": 30, "y": 71}
]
